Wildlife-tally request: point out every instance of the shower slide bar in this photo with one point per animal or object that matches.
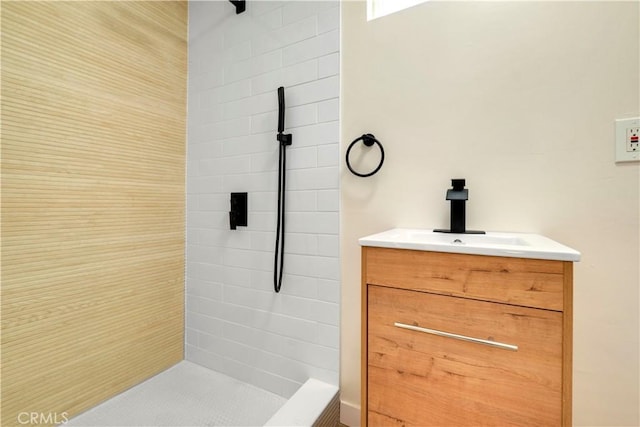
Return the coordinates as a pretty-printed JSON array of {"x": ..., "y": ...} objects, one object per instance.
[{"x": 284, "y": 140}]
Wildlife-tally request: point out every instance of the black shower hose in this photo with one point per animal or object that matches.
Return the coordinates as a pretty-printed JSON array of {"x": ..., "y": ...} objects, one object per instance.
[{"x": 279, "y": 252}]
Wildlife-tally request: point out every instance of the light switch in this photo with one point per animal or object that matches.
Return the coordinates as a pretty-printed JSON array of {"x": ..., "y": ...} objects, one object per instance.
[{"x": 627, "y": 133}]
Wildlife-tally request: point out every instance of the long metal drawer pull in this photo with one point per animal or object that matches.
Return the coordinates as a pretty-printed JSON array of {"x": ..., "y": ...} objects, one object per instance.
[{"x": 458, "y": 337}]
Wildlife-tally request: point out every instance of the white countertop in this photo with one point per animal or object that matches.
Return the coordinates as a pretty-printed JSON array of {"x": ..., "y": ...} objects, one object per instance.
[{"x": 517, "y": 245}]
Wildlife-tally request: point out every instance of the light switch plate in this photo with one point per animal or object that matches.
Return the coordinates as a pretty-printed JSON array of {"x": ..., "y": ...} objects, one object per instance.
[{"x": 627, "y": 147}]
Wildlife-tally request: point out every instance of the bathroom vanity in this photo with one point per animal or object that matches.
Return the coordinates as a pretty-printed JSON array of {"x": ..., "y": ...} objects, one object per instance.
[{"x": 462, "y": 330}]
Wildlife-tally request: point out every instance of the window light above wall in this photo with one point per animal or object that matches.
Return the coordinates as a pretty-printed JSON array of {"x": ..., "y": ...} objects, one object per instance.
[{"x": 378, "y": 8}]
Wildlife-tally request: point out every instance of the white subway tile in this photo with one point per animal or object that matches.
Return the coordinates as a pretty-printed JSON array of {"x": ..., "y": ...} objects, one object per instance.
[
  {"x": 312, "y": 48},
  {"x": 254, "y": 260},
  {"x": 226, "y": 312},
  {"x": 313, "y": 354},
  {"x": 190, "y": 337},
  {"x": 265, "y": 102},
  {"x": 300, "y": 265},
  {"x": 301, "y": 201},
  {"x": 241, "y": 371},
  {"x": 328, "y": 335},
  {"x": 265, "y": 162},
  {"x": 329, "y": 110},
  {"x": 301, "y": 116},
  {"x": 235, "y": 69},
  {"x": 236, "y": 276},
  {"x": 262, "y": 221},
  {"x": 203, "y": 323},
  {"x": 211, "y": 237},
  {"x": 301, "y": 158},
  {"x": 263, "y": 241},
  {"x": 274, "y": 383},
  {"x": 329, "y": 290},
  {"x": 267, "y": 82},
  {"x": 259, "y": 8},
  {"x": 204, "y": 185},
  {"x": 225, "y": 165},
  {"x": 209, "y": 115},
  {"x": 199, "y": 270},
  {"x": 326, "y": 313},
  {"x": 282, "y": 366},
  {"x": 266, "y": 122},
  {"x": 237, "y": 31},
  {"x": 193, "y": 235},
  {"x": 299, "y": 10},
  {"x": 248, "y": 297},
  {"x": 236, "y": 146},
  {"x": 266, "y": 62},
  {"x": 227, "y": 348},
  {"x": 301, "y": 243},
  {"x": 329, "y": 65},
  {"x": 263, "y": 280},
  {"x": 328, "y": 155},
  {"x": 236, "y": 109},
  {"x": 242, "y": 334},
  {"x": 207, "y": 80},
  {"x": 328, "y": 268},
  {"x": 264, "y": 22},
  {"x": 236, "y": 183},
  {"x": 290, "y": 327},
  {"x": 302, "y": 286},
  {"x": 329, "y": 19},
  {"x": 314, "y": 91},
  {"x": 263, "y": 201},
  {"x": 300, "y": 73},
  {"x": 205, "y": 254},
  {"x": 206, "y": 150},
  {"x": 302, "y": 308},
  {"x": 289, "y": 34},
  {"x": 322, "y": 133},
  {"x": 238, "y": 71},
  {"x": 264, "y": 181},
  {"x": 313, "y": 179},
  {"x": 192, "y": 202},
  {"x": 328, "y": 245},
  {"x": 229, "y": 92},
  {"x": 240, "y": 239}
]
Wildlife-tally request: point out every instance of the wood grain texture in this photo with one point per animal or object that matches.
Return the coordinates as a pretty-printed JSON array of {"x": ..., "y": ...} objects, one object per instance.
[
  {"x": 364, "y": 337},
  {"x": 93, "y": 152},
  {"x": 417, "y": 379},
  {"x": 567, "y": 347},
  {"x": 412, "y": 378},
  {"x": 526, "y": 282}
]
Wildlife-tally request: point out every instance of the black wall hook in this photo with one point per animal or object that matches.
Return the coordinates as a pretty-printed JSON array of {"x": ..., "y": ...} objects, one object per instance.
[{"x": 368, "y": 140}]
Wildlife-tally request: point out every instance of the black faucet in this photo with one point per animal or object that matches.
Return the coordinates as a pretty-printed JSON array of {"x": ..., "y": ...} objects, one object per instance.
[{"x": 458, "y": 195}]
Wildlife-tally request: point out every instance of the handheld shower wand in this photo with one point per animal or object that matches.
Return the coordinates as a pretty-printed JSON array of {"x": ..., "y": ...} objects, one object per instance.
[{"x": 284, "y": 140}]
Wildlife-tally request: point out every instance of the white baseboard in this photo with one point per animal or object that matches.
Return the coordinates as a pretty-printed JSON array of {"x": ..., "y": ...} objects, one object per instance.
[{"x": 349, "y": 414}]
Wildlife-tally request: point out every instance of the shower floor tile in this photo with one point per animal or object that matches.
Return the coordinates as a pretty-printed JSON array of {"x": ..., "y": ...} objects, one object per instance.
[{"x": 185, "y": 395}]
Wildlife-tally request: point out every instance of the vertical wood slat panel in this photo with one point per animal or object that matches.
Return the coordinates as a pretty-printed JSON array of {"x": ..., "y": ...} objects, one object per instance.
[{"x": 93, "y": 153}]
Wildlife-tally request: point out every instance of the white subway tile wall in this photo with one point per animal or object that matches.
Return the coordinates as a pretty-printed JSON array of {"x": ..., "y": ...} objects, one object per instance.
[{"x": 235, "y": 322}]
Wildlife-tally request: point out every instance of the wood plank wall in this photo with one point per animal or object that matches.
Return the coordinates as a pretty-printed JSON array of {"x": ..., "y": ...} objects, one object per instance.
[{"x": 93, "y": 154}]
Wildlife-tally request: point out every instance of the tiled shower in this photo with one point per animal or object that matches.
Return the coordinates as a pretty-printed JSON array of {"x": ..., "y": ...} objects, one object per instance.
[{"x": 235, "y": 322}]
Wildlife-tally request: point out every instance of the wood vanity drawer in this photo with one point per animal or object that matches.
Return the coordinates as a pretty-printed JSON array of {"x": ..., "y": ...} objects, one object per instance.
[
  {"x": 525, "y": 282},
  {"x": 415, "y": 376}
]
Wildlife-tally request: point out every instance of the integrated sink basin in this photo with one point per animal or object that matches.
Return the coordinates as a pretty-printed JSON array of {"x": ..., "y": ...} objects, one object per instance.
[{"x": 520, "y": 245}]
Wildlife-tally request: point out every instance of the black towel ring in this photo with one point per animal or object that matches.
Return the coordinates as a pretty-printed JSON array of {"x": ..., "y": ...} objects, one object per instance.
[{"x": 368, "y": 140}]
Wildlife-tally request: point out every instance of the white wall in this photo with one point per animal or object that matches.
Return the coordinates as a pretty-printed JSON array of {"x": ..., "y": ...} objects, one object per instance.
[
  {"x": 235, "y": 323},
  {"x": 520, "y": 99}
]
